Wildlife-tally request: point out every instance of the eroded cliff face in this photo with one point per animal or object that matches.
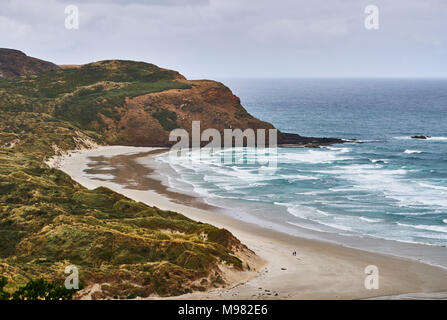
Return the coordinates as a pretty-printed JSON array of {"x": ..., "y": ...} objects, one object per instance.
[
  {"x": 15, "y": 63},
  {"x": 146, "y": 120}
]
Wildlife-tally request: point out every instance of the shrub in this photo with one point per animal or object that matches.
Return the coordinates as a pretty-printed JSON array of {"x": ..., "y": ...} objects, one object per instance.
[{"x": 167, "y": 119}]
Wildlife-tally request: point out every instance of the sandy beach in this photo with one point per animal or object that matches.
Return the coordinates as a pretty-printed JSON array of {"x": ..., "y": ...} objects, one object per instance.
[{"x": 320, "y": 270}]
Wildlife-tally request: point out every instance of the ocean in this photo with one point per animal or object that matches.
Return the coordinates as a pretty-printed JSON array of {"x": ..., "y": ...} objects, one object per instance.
[{"x": 390, "y": 186}]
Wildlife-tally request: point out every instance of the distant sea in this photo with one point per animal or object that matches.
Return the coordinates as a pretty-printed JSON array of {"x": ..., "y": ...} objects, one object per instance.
[{"x": 389, "y": 187}]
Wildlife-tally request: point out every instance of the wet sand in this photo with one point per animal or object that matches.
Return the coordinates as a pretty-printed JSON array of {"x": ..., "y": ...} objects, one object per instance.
[{"x": 320, "y": 270}]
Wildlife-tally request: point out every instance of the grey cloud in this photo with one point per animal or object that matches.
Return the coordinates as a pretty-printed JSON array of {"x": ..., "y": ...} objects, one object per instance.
[
  {"x": 141, "y": 2},
  {"x": 245, "y": 38}
]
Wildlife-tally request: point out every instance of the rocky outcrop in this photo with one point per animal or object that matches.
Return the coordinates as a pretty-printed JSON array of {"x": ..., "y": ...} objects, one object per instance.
[
  {"x": 291, "y": 140},
  {"x": 146, "y": 120},
  {"x": 15, "y": 63}
]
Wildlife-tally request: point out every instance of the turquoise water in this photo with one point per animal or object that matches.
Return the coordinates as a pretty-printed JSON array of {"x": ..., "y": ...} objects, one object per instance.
[{"x": 390, "y": 186}]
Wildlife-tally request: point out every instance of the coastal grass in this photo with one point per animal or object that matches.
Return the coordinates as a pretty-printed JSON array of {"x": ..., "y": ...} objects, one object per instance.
[{"x": 49, "y": 221}]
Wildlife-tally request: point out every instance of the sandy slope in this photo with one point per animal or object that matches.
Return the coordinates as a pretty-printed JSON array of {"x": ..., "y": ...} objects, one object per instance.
[{"x": 320, "y": 270}]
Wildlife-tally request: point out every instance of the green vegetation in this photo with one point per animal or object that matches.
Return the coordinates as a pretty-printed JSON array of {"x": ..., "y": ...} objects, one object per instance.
[
  {"x": 167, "y": 119},
  {"x": 48, "y": 221},
  {"x": 3, "y": 294},
  {"x": 38, "y": 289}
]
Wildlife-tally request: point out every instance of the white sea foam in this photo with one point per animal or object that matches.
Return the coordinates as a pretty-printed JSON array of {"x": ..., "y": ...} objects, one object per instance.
[
  {"x": 312, "y": 193},
  {"x": 442, "y": 229},
  {"x": 340, "y": 150},
  {"x": 432, "y": 186},
  {"x": 315, "y": 156},
  {"x": 302, "y": 211},
  {"x": 372, "y": 140},
  {"x": 370, "y": 220},
  {"x": 317, "y": 216},
  {"x": 204, "y": 192},
  {"x": 337, "y": 226},
  {"x": 379, "y": 160},
  {"x": 409, "y": 151},
  {"x": 390, "y": 183},
  {"x": 438, "y": 138},
  {"x": 340, "y": 189},
  {"x": 309, "y": 227},
  {"x": 297, "y": 177},
  {"x": 405, "y": 214}
]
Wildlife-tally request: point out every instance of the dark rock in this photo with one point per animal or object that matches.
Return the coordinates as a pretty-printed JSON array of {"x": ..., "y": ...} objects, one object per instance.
[
  {"x": 420, "y": 137},
  {"x": 290, "y": 140}
]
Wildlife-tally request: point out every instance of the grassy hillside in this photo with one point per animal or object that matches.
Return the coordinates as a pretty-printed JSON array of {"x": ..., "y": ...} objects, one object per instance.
[
  {"x": 80, "y": 95},
  {"x": 48, "y": 221}
]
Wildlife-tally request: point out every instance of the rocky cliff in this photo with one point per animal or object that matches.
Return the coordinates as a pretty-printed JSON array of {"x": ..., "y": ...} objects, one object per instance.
[{"x": 148, "y": 119}]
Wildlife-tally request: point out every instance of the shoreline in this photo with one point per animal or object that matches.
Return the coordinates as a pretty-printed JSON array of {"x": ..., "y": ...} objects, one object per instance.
[{"x": 321, "y": 270}]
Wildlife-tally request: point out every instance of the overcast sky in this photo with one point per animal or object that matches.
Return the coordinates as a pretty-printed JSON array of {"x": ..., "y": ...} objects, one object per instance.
[{"x": 238, "y": 38}]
